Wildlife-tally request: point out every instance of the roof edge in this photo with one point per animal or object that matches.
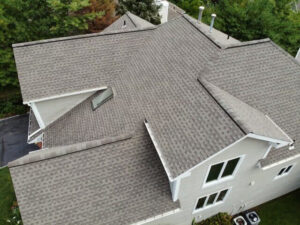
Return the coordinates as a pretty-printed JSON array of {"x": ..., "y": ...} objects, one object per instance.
[
  {"x": 51, "y": 40},
  {"x": 206, "y": 34},
  {"x": 54, "y": 152},
  {"x": 247, "y": 43}
]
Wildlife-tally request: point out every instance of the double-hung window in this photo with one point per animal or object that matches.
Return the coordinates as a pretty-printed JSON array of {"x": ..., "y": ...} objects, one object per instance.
[
  {"x": 222, "y": 170},
  {"x": 211, "y": 200}
]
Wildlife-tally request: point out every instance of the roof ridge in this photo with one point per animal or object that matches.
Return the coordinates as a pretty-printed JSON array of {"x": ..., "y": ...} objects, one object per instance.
[
  {"x": 81, "y": 36},
  {"x": 247, "y": 43},
  {"x": 206, "y": 34},
  {"x": 128, "y": 14},
  {"x": 58, "y": 151},
  {"x": 202, "y": 80}
]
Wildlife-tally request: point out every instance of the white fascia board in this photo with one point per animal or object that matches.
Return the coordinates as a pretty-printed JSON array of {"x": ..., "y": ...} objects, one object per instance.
[
  {"x": 279, "y": 128},
  {"x": 157, "y": 217},
  {"x": 279, "y": 143},
  {"x": 66, "y": 94},
  {"x": 155, "y": 143},
  {"x": 37, "y": 115}
]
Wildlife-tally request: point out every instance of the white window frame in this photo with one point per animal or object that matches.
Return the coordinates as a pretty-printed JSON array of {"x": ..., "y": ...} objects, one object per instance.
[
  {"x": 215, "y": 203},
  {"x": 284, "y": 173},
  {"x": 223, "y": 179}
]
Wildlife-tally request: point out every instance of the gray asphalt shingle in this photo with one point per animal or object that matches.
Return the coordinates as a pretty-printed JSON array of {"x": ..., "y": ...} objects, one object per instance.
[{"x": 123, "y": 181}]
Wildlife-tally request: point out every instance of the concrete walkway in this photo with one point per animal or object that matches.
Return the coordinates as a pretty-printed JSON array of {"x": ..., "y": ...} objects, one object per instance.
[{"x": 13, "y": 139}]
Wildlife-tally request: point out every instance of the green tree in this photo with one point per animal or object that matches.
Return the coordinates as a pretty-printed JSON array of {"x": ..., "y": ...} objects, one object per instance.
[
  {"x": 146, "y": 9},
  {"x": 22, "y": 21},
  {"x": 249, "y": 20}
]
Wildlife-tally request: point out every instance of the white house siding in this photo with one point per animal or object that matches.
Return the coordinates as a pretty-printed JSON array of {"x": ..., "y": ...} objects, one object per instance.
[
  {"x": 50, "y": 110},
  {"x": 242, "y": 195}
]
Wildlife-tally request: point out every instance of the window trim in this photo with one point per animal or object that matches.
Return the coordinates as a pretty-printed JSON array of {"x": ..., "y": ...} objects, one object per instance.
[
  {"x": 215, "y": 203},
  {"x": 284, "y": 173},
  {"x": 221, "y": 179}
]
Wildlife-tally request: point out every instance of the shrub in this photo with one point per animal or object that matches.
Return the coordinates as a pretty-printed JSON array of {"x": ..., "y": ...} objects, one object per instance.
[
  {"x": 218, "y": 219},
  {"x": 11, "y": 104}
]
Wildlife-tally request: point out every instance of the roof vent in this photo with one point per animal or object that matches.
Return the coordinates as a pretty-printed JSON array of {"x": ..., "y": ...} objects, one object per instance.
[
  {"x": 124, "y": 24},
  {"x": 213, "y": 16},
  {"x": 102, "y": 98},
  {"x": 201, "y": 8}
]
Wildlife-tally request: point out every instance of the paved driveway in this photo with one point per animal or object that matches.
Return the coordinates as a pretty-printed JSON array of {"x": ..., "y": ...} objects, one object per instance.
[{"x": 13, "y": 139}]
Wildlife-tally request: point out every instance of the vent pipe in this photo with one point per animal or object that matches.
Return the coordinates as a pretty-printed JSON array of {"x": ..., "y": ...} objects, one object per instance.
[
  {"x": 213, "y": 16},
  {"x": 201, "y": 8}
]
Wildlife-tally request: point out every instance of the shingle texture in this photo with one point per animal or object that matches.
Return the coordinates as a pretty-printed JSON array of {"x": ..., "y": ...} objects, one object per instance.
[
  {"x": 248, "y": 118},
  {"x": 79, "y": 63},
  {"x": 160, "y": 84},
  {"x": 130, "y": 21},
  {"x": 154, "y": 75},
  {"x": 122, "y": 182}
]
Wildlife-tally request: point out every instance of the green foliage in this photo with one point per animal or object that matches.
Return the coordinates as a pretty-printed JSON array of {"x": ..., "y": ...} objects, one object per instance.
[
  {"x": 145, "y": 9},
  {"x": 283, "y": 210},
  {"x": 11, "y": 104},
  {"x": 15, "y": 217},
  {"x": 249, "y": 20},
  {"x": 22, "y": 21},
  {"x": 7, "y": 196},
  {"x": 218, "y": 219}
]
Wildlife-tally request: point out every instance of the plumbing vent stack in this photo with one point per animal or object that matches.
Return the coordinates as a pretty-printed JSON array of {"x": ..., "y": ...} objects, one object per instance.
[
  {"x": 213, "y": 16},
  {"x": 201, "y": 8}
]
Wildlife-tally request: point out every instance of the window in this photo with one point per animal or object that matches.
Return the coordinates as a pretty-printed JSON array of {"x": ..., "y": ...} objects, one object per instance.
[
  {"x": 211, "y": 200},
  {"x": 222, "y": 170},
  {"x": 103, "y": 97},
  {"x": 284, "y": 171}
]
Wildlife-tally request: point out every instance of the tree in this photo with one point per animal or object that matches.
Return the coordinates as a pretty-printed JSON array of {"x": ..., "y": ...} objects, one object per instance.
[
  {"x": 146, "y": 9},
  {"x": 249, "y": 20},
  {"x": 22, "y": 21}
]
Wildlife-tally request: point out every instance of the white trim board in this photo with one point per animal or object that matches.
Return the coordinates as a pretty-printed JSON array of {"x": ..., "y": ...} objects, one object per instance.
[
  {"x": 155, "y": 143},
  {"x": 37, "y": 115},
  {"x": 66, "y": 94}
]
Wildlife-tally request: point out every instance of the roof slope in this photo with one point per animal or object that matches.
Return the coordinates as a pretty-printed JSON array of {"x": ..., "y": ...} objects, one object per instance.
[
  {"x": 80, "y": 62},
  {"x": 131, "y": 21},
  {"x": 119, "y": 182},
  {"x": 159, "y": 83},
  {"x": 248, "y": 118}
]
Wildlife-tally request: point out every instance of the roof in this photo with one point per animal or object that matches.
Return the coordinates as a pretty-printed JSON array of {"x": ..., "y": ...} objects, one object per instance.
[
  {"x": 132, "y": 22},
  {"x": 153, "y": 73},
  {"x": 249, "y": 119},
  {"x": 177, "y": 64},
  {"x": 103, "y": 182},
  {"x": 81, "y": 62}
]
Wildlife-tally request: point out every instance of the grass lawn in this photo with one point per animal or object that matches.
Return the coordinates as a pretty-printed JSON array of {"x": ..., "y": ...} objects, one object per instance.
[
  {"x": 281, "y": 211},
  {"x": 7, "y": 195}
]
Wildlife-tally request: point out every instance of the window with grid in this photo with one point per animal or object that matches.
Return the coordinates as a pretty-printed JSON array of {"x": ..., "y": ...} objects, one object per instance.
[{"x": 211, "y": 200}]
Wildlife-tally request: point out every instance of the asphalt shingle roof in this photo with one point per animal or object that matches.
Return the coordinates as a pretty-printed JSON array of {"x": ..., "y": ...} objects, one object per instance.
[
  {"x": 132, "y": 22},
  {"x": 249, "y": 119},
  {"x": 123, "y": 181},
  {"x": 154, "y": 75}
]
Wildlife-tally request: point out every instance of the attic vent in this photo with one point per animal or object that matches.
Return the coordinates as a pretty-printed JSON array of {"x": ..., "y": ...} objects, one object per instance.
[
  {"x": 124, "y": 24},
  {"x": 102, "y": 98}
]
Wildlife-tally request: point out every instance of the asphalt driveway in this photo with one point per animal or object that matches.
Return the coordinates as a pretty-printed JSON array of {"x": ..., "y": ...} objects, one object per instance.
[{"x": 13, "y": 139}]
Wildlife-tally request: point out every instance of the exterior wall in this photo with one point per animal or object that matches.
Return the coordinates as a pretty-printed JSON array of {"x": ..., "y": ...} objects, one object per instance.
[
  {"x": 50, "y": 110},
  {"x": 242, "y": 194}
]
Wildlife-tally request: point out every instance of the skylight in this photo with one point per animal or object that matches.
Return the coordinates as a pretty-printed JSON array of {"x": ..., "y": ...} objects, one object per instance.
[{"x": 102, "y": 98}]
